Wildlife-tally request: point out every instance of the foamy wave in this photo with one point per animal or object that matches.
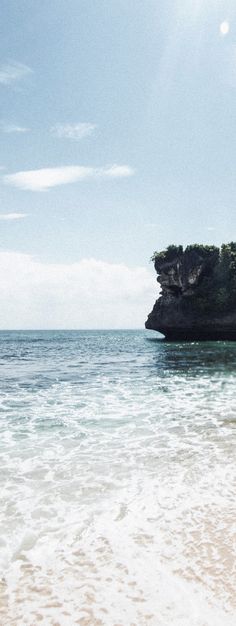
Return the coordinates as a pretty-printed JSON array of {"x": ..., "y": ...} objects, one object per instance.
[{"x": 117, "y": 485}]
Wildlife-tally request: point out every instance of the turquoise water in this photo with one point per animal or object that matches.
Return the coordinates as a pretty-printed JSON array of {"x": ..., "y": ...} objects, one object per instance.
[{"x": 118, "y": 480}]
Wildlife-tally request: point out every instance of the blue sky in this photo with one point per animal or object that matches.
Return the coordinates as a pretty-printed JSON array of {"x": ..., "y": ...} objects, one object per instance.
[{"x": 118, "y": 128}]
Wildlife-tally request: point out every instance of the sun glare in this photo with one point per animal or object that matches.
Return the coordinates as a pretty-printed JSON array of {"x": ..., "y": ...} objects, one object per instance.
[{"x": 224, "y": 28}]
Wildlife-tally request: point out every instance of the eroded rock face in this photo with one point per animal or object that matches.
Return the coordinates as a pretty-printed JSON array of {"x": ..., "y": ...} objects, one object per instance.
[
  {"x": 181, "y": 274},
  {"x": 175, "y": 313}
]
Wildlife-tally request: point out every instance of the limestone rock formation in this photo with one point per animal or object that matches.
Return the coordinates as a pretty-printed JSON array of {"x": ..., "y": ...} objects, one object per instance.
[{"x": 198, "y": 293}]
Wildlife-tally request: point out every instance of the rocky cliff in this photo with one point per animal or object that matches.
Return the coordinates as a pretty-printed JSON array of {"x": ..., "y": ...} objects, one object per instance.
[{"x": 198, "y": 293}]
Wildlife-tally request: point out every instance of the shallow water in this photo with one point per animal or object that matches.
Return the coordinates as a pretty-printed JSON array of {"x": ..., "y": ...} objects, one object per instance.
[{"x": 118, "y": 480}]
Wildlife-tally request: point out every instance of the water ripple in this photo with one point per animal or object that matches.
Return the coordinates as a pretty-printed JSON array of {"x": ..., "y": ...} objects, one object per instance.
[{"x": 118, "y": 480}]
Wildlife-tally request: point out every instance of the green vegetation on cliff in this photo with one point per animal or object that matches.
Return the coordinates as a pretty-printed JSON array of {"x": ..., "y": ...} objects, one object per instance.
[
  {"x": 173, "y": 251},
  {"x": 167, "y": 255},
  {"x": 215, "y": 291}
]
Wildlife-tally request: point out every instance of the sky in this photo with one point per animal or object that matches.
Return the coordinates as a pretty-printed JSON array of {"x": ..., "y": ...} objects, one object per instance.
[{"x": 118, "y": 138}]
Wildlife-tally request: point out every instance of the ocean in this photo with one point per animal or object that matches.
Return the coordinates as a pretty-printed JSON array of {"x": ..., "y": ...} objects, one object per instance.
[{"x": 118, "y": 480}]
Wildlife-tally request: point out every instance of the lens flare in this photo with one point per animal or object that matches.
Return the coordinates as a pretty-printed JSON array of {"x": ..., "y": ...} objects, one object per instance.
[{"x": 224, "y": 28}]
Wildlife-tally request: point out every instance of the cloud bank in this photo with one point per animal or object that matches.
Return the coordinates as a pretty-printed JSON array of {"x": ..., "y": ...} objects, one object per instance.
[
  {"x": 87, "y": 294},
  {"x": 12, "y": 72},
  {"x": 73, "y": 131},
  {"x": 43, "y": 179}
]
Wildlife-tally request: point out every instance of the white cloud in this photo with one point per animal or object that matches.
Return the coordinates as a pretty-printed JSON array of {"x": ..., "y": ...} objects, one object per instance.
[
  {"x": 73, "y": 131},
  {"x": 116, "y": 171},
  {"x": 87, "y": 294},
  {"x": 13, "y": 128},
  {"x": 12, "y": 216},
  {"x": 42, "y": 179},
  {"x": 12, "y": 72}
]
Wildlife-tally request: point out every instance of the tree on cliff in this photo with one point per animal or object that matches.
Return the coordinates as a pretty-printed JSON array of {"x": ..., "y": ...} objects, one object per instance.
[{"x": 215, "y": 291}]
